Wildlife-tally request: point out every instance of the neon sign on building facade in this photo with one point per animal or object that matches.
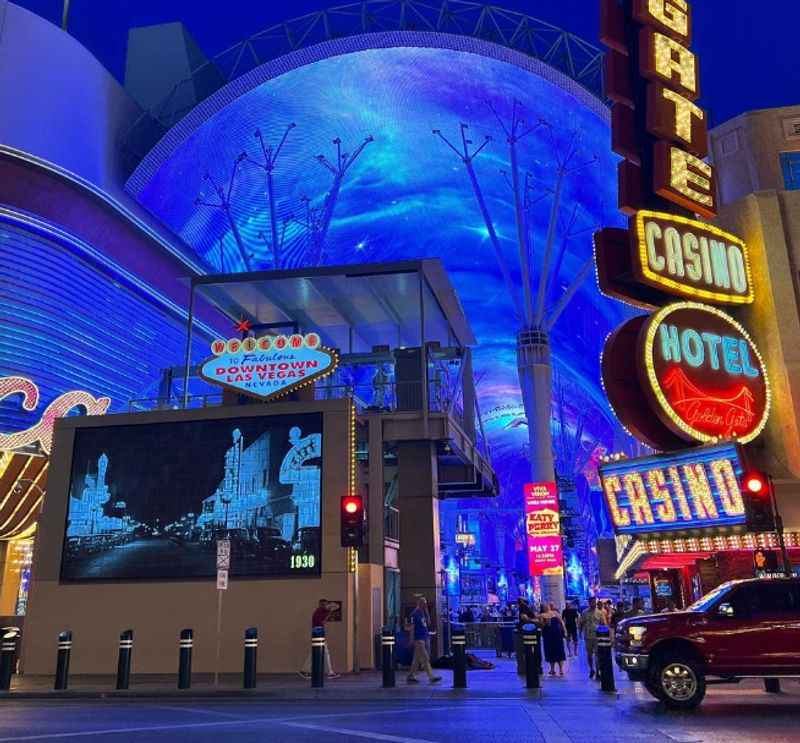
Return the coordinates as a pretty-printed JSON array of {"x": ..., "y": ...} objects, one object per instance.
[
  {"x": 697, "y": 488},
  {"x": 42, "y": 432},
  {"x": 690, "y": 259},
  {"x": 270, "y": 366},
  {"x": 690, "y": 364},
  {"x": 706, "y": 374}
]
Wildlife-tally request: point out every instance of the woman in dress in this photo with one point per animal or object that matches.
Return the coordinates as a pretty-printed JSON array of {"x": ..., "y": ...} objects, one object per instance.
[{"x": 553, "y": 634}]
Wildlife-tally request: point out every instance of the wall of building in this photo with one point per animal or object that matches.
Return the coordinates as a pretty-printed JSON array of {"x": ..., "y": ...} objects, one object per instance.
[
  {"x": 774, "y": 320},
  {"x": 746, "y": 151},
  {"x": 58, "y": 101},
  {"x": 157, "y": 610},
  {"x": 68, "y": 323},
  {"x": 757, "y": 206}
]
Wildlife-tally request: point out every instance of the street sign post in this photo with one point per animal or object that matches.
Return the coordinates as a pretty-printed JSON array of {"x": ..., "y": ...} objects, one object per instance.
[{"x": 223, "y": 567}]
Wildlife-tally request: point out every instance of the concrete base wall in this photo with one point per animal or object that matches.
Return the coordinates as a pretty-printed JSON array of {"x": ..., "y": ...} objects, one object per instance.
[{"x": 156, "y": 611}]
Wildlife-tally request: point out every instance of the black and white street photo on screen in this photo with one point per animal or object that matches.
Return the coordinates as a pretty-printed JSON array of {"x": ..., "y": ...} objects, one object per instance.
[{"x": 151, "y": 501}]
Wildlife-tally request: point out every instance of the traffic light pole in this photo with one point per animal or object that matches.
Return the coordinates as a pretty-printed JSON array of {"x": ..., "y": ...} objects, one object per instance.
[
  {"x": 787, "y": 565},
  {"x": 356, "y": 664}
]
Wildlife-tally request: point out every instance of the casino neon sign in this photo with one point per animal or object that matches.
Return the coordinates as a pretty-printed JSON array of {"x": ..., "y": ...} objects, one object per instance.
[
  {"x": 690, "y": 259},
  {"x": 42, "y": 432},
  {"x": 696, "y": 488}
]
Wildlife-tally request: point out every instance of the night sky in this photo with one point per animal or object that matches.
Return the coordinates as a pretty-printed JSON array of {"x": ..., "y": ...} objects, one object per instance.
[{"x": 747, "y": 50}]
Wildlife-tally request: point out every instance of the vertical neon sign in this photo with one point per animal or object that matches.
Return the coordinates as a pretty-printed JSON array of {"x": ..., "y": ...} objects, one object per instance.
[{"x": 543, "y": 529}]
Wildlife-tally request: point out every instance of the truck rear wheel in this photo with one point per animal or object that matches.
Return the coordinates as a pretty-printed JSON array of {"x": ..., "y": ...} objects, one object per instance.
[{"x": 678, "y": 681}]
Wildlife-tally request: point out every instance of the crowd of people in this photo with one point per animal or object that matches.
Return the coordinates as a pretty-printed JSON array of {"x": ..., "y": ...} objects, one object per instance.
[{"x": 560, "y": 630}]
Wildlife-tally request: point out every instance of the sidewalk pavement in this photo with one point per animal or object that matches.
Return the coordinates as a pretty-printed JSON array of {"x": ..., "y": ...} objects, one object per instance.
[
  {"x": 502, "y": 682},
  {"x": 499, "y": 682}
]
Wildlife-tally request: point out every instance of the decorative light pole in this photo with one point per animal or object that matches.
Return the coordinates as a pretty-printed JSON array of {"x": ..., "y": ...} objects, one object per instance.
[{"x": 534, "y": 314}]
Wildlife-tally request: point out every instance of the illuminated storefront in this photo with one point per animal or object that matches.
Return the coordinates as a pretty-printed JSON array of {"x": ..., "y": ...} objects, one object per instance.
[{"x": 683, "y": 521}]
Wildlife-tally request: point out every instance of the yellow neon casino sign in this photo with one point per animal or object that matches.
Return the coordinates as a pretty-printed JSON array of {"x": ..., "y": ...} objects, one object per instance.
[
  {"x": 698, "y": 488},
  {"x": 691, "y": 259}
]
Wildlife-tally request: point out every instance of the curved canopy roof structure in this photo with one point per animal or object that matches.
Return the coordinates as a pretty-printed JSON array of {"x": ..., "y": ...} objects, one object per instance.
[
  {"x": 351, "y": 151},
  {"x": 532, "y": 37}
]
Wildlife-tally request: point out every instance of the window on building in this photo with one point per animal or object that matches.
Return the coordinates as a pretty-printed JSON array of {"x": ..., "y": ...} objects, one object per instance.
[{"x": 790, "y": 164}]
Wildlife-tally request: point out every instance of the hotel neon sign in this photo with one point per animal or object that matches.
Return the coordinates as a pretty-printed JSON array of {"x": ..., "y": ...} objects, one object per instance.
[
  {"x": 705, "y": 373},
  {"x": 715, "y": 387},
  {"x": 692, "y": 489}
]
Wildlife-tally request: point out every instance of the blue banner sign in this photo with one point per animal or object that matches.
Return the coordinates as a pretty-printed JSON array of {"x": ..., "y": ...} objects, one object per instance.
[{"x": 691, "y": 489}]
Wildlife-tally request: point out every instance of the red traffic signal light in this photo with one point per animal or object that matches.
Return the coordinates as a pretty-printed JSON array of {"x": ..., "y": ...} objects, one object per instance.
[
  {"x": 756, "y": 483},
  {"x": 757, "y": 490},
  {"x": 351, "y": 505},
  {"x": 352, "y": 517}
]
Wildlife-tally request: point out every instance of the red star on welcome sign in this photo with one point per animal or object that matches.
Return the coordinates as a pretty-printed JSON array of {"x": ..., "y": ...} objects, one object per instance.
[{"x": 243, "y": 325}]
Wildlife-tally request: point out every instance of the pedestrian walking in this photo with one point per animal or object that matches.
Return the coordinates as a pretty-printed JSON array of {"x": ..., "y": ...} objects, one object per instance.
[
  {"x": 589, "y": 621},
  {"x": 553, "y": 634},
  {"x": 570, "y": 616},
  {"x": 420, "y": 621},
  {"x": 321, "y": 615}
]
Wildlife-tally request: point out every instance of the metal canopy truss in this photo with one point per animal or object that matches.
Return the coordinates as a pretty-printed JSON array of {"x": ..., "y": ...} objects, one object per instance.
[
  {"x": 353, "y": 308},
  {"x": 565, "y": 52}
]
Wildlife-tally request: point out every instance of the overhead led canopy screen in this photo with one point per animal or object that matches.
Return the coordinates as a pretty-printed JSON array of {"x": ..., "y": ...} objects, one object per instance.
[
  {"x": 151, "y": 501},
  {"x": 408, "y": 195}
]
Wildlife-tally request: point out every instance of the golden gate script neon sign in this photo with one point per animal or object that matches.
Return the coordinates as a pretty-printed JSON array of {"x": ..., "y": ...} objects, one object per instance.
[{"x": 42, "y": 432}]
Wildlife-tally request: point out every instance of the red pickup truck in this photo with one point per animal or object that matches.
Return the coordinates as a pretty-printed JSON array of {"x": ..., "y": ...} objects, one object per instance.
[{"x": 742, "y": 629}]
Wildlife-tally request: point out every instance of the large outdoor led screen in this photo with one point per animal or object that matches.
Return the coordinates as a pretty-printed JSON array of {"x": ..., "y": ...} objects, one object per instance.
[{"x": 152, "y": 500}]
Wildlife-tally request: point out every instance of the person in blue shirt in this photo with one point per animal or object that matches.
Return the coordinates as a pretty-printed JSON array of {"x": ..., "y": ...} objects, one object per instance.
[{"x": 420, "y": 619}]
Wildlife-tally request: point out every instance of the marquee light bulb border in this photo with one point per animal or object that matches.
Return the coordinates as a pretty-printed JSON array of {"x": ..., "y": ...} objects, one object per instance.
[
  {"x": 311, "y": 341},
  {"x": 653, "y": 324},
  {"x": 680, "y": 288},
  {"x": 42, "y": 432}
]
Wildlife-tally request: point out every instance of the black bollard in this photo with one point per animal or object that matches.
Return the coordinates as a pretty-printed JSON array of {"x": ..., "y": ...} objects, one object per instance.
[
  {"x": 387, "y": 659},
  {"x": 185, "y": 659},
  {"x": 530, "y": 641},
  {"x": 8, "y": 654},
  {"x": 605, "y": 663},
  {"x": 537, "y": 652},
  {"x": 250, "y": 657},
  {"x": 62, "y": 663},
  {"x": 771, "y": 686},
  {"x": 124, "y": 661},
  {"x": 459, "y": 640},
  {"x": 317, "y": 657}
]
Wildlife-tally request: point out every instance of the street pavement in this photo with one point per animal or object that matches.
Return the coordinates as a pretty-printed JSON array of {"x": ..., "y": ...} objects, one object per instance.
[{"x": 495, "y": 707}]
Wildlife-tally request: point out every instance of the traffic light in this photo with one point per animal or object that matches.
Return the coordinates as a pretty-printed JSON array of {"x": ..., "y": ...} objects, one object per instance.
[
  {"x": 757, "y": 489},
  {"x": 352, "y": 516}
]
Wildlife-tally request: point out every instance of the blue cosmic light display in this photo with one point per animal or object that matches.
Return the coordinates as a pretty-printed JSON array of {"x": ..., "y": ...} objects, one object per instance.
[{"x": 408, "y": 195}]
